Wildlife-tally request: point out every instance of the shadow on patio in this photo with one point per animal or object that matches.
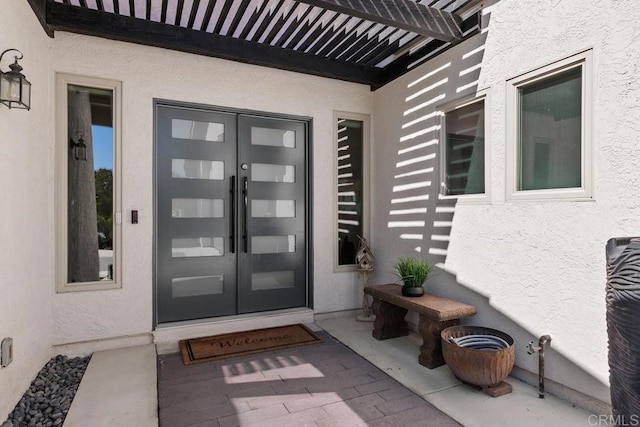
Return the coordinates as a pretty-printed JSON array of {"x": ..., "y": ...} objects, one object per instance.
[
  {"x": 324, "y": 384},
  {"x": 351, "y": 379}
]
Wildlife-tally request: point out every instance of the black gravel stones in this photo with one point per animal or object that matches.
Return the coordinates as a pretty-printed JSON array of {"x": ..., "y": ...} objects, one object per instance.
[{"x": 48, "y": 399}]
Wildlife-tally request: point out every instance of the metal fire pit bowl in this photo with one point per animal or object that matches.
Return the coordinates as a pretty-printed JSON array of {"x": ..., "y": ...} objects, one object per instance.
[{"x": 484, "y": 368}]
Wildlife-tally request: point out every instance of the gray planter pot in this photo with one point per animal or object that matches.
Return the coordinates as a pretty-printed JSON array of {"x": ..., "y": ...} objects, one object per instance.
[{"x": 412, "y": 291}]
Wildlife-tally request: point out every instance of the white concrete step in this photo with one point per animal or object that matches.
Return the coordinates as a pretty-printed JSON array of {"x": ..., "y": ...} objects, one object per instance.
[{"x": 119, "y": 389}]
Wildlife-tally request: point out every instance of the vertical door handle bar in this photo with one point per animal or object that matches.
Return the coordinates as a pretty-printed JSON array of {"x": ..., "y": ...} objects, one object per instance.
[
  {"x": 245, "y": 192},
  {"x": 232, "y": 231}
]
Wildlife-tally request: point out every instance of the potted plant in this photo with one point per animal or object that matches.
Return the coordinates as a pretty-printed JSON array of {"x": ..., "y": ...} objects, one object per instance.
[{"x": 412, "y": 273}]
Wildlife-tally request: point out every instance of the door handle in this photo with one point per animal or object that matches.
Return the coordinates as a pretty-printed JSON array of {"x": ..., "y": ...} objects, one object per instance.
[
  {"x": 245, "y": 192},
  {"x": 232, "y": 231}
]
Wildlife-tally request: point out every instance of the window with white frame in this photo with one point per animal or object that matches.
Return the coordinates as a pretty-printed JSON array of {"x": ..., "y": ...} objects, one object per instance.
[
  {"x": 351, "y": 135},
  {"x": 464, "y": 151},
  {"x": 88, "y": 183},
  {"x": 548, "y": 139}
]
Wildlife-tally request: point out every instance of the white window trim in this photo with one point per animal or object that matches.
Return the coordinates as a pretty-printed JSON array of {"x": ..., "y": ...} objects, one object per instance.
[
  {"x": 366, "y": 124},
  {"x": 62, "y": 148},
  {"x": 482, "y": 94},
  {"x": 585, "y": 191}
]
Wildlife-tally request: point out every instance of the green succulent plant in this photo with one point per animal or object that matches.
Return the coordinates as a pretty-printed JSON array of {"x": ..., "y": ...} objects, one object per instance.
[{"x": 412, "y": 272}]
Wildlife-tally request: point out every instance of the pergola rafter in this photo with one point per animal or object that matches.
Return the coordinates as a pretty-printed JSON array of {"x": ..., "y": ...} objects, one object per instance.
[
  {"x": 362, "y": 41},
  {"x": 404, "y": 14}
]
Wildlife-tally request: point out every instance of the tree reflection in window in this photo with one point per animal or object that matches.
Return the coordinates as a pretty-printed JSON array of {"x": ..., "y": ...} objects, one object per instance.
[{"x": 90, "y": 185}]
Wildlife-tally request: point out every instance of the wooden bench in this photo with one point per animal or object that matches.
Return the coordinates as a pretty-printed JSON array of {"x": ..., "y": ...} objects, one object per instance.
[{"x": 436, "y": 313}]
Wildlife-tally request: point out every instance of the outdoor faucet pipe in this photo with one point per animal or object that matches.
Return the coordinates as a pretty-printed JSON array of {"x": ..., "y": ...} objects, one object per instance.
[{"x": 544, "y": 340}]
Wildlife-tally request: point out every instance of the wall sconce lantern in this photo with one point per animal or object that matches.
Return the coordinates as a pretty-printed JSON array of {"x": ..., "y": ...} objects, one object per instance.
[
  {"x": 15, "y": 89},
  {"x": 79, "y": 148}
]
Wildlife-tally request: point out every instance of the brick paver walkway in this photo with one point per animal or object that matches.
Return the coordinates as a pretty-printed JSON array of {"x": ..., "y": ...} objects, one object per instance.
[{"x": 323, "y": 384}]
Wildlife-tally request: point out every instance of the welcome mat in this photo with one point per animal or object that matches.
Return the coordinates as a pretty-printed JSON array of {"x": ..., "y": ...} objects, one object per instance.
[{"x": 242, "y": 343}]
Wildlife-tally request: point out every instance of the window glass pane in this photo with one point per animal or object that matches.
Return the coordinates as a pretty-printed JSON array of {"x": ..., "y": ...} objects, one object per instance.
[
  {"x": 350, "y": 188},
  {"x": 197, "y": 208},
  {"x": 195, "y": 286},
  {"x": 90, "y": 190},
  {"x": 272, "y": 280},
  {"x": 273, "y": 244},
  {"x": 273, "y": 208},
  {"x": 197, "y": 247},
  {"x": 197, "y": 169},
  {"x": 464, "y": 159},
  {"x": 550, "y": 120},
  {"x": 190, "y": 129},
  {"x": 261, "y": 172},
  {"x": 273, "y": 137}
]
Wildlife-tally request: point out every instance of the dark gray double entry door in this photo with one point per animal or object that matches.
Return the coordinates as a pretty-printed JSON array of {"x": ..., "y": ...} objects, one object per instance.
[{"x": 231, "y": 213}]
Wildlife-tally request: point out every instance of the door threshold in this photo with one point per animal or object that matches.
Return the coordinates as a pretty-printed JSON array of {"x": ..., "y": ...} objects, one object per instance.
[{"x": 167, "y": 335}]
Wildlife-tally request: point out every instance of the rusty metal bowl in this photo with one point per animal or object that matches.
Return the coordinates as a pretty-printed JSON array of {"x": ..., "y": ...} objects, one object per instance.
[{"x": 484, "y": 368}]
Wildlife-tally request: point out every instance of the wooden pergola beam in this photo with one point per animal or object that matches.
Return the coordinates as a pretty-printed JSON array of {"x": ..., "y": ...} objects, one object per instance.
[
  {"x": 40, "y": 9},
  {"x": 63, "y": 17},
  {"x": 403, "y": 14},
  {"x": 470, "y": 27}
]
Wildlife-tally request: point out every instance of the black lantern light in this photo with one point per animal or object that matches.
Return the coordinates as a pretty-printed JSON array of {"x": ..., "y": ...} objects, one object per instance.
[
  {"x": 15, "y": 89},
  {"x": 79, "y": 148}
]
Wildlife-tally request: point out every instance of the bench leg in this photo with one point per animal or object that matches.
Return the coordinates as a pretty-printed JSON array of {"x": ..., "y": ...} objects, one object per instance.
[
  {"x": 389, "y": 321},
  {"x": 431, "y": 348}
]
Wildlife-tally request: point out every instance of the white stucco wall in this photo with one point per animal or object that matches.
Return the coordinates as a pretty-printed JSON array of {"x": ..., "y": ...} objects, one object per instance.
[
  {"x": 149, "y": 73},
  {"x": 532, "y": 268},
  {"x": 25, "y": 226}
]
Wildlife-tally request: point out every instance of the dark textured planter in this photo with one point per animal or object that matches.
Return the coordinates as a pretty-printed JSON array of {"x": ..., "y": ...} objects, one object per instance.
[
  {"x": 412, "y": 291},
  {"x": 479, "y": 367},
  {"x": 623, "y": 325}
]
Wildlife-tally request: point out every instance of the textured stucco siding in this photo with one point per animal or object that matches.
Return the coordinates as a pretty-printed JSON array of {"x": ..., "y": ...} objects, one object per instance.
[
  {"x": 533, "y": 267},
  {"x": 26, "y": 232}
]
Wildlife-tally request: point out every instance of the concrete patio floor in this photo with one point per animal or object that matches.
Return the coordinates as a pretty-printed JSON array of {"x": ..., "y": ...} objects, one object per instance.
[
  {"x": 467, "y": 405},
  {"x": 324, "y": 384},
  {"x": 120, "y": 389}
]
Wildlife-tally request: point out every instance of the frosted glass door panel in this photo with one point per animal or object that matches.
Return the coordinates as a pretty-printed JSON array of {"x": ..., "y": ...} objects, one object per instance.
[
  {"x": 197, "y": 208},
  {"x": 230, "y": 213},
  {"x": 273, "y": 208},
  {"x": 196, "y": 158},
  {"x": 262, "y": 172},
  {"x": 197, "y": 247},
  {"x": 273, "y": 244},
  {"x": 197, "y": 169},
  {"x": 273, "y": 137},
  {"x": 191, "y": 129},
  {"x": 196, "y": 286},
  {"x": 272, "y": 280}
]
